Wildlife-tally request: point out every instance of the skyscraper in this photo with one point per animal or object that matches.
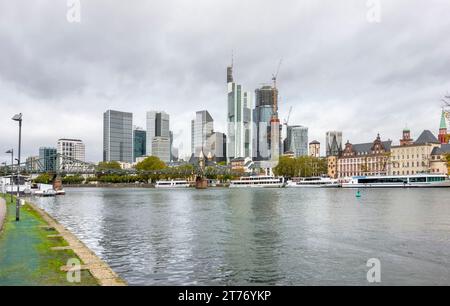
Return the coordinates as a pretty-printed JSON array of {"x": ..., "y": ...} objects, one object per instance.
[
  {"x": 239, "y": 120},
  {"x": 333, "y": 143},
  {"x": 117, "y": 136},
  {"x": 139, "y": 143},
  {"x": 202, "y": 128},
  {"x": 158, "y": 125},
  {"x": 47, "y": 157},
  {"x": 217, "y": 144},
  {"x": 297, "y": 140},
  {"x": 265, "y": 116},
  {"x": 161, "y": 148}
]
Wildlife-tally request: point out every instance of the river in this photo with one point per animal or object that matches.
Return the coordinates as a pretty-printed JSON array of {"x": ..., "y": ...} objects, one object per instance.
[{"x": 284, "y": 236}]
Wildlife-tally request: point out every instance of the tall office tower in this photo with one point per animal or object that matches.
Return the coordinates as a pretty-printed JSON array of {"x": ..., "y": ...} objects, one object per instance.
[
  {"x": 171, "y": 145},
  {"x": 72, "y": 148},
  {"x": 297, "y": 140},
  {"x": 157, "y": 126},
  {"x": 274, "y": 139},
  {"x": 47, "y": 157},
  {"x": 266, "y": 109},
  {"x": 239, "y": 120},
  {"x": 117, "y": 136},
  {"x": 139, "y": 143},
  {"x": 333, "y": 143},
  {"x": 161, "y": 148},
  {"x": 217, "y": 143},
  {"x": 202, "y": 128}
]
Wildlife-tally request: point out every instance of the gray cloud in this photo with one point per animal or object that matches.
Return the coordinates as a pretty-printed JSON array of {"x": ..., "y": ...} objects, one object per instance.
[{"x": 339, "y": 71}]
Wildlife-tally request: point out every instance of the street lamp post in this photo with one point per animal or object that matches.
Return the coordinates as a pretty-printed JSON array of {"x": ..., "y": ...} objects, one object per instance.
[
  {"x": 12, "y": 167},
  {"x": 18, "y": 118}
]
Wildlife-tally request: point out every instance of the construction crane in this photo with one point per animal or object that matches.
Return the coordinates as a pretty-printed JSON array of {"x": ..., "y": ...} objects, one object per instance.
[
  {"x": 286, "y": 121},
  {"x": 274, "y": 76},
  {"x": 275, "y": 91}
]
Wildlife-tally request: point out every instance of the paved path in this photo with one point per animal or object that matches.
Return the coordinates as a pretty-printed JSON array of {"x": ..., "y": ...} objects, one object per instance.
[{"x": 2, "y": 212}]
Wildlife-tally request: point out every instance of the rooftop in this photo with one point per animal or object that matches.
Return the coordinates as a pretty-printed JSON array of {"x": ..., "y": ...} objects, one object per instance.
[{"x": 425, "y": 138}]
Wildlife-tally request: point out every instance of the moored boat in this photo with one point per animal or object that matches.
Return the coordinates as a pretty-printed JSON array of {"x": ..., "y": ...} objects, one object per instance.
[
  {"x": 312, "y": 182},
  {"x": 172, "y": 184},
  {"x": 405, "y": 181},
  {"x": 258, "y": 181}
]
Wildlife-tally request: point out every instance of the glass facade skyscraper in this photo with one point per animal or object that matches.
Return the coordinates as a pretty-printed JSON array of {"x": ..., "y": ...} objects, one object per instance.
[
  {"x": 202, "y": 128},
  {"x": 297, "y": 140},
  {"x": 47, "y": 158},
  {"x": 118, "y": 136},
  {"x": 139, "y": 143},
  {"x": 158, "y": 125},
  {"x": 239, "y": 120}
]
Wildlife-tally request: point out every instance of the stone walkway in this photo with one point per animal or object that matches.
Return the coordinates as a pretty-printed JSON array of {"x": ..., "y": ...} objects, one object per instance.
[
  {"x": 97, "y": 267},
  {"x": 2, "y": 212}
]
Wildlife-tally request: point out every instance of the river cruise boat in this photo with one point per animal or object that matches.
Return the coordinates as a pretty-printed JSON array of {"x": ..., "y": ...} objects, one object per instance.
[
  {"x": 406, "y": 181},
  {"x": 172, "y": 184},
  {"x": 313, "y": 182},
  {"x": 258, "y": 181}
]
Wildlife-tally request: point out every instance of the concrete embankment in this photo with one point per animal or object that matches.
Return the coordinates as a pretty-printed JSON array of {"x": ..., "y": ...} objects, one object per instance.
[
  {"x": 37, "y": 250},
  {"x": 97, "y": 267}
]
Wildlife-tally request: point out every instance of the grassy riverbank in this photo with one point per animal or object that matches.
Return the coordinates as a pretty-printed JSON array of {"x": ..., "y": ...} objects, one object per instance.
[{"x": 26, "y": 257}]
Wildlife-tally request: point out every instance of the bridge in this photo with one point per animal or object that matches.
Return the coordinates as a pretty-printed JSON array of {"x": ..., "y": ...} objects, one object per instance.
[{"x": 62, "y": 165}]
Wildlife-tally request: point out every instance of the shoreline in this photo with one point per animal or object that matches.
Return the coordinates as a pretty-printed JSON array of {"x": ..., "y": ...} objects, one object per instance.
[{"x": 99, "y": 269}]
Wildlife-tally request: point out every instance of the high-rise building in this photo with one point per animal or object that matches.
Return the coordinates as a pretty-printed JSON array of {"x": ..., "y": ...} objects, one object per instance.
[
  {"x": 333, "y": 143},
  {"x": 314, "y": 149},
  {"x": 443, "y": 137},
  {"x": 117, "y": 136},
  {"x": 217, "y": 143},
  {"x": 139, "y": 143},
  {"x": 297, "y": 140},
  {"x": 239, "y": 120},
  {"x": 158, "y": 125},
  {"x": 47, "y": 158},
  {"x": 266, "y": 110},
  {"x": 74, "y": 149},
  {"x": 202, "y": 128},
  {"x": 161, "y": 148}
]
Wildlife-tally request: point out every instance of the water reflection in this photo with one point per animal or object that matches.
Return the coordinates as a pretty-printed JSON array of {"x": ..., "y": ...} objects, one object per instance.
[{"x": 283, "y": 236}]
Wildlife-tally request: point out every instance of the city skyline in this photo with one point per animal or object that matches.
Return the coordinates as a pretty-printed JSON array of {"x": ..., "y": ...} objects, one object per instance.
[{"x": 365, "y": 78}]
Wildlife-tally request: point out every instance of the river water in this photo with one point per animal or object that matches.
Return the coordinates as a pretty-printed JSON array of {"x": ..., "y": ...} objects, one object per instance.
[{"x": 262, "y": 236}]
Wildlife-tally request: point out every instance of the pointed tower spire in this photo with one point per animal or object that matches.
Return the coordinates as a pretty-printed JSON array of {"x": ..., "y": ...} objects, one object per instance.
[{"x": 443, "y": 128}]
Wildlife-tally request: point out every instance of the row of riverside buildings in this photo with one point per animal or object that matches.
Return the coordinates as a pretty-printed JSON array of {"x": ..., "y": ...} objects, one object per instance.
[{"x": 426, "y": 154}]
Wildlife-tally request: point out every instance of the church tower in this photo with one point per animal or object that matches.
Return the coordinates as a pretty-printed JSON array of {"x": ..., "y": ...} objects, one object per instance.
[{"x": 443, "y": 129}]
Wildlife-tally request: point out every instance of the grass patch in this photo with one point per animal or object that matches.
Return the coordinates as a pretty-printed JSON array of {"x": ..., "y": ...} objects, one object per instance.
[{"x": 26, "y": 257}]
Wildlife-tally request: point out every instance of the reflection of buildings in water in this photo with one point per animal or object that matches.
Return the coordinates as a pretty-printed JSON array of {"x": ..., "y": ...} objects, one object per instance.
[{"x": 253, "y": 252}]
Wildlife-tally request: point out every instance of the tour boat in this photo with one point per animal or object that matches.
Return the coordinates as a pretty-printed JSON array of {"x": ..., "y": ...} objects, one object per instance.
[
  {"x": 258, "y": 181},
  {"x": 313, "y": 182},
  {"x": 405, "y": 181},
  {"x": 172, "y": 184}
]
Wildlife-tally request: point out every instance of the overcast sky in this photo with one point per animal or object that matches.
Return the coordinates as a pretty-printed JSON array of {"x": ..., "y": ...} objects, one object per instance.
[{"x": 339, "y": 71}]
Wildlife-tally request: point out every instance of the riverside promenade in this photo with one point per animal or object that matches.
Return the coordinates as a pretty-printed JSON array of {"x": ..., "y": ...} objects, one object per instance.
[{"x": 37, "y": 250}]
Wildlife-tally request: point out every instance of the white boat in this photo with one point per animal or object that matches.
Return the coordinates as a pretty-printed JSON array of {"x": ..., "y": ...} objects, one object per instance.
[
  {"x": 405, "y": 181},
  {"x": 258, "y": 181},
  {"x": 313, "y": 182},
  {"x": 172, "y": 184}
]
